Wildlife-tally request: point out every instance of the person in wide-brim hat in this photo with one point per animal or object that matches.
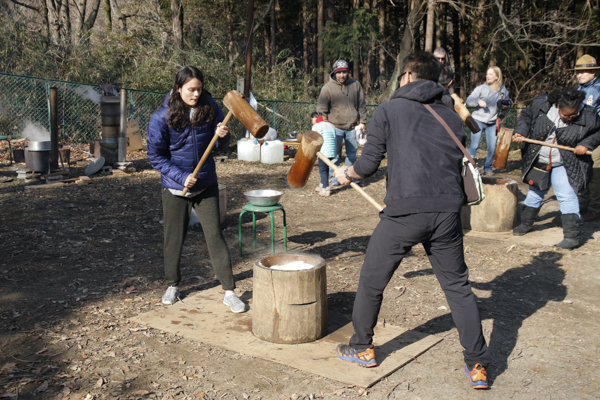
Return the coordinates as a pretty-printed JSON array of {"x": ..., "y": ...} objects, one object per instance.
[
  {"x": 589, "y": 197},
  {"x": 585, "y": 62}
]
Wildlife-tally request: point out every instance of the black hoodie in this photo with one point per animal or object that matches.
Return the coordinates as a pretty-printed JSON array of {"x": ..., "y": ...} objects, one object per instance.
[{"x": 424, "y": 163}]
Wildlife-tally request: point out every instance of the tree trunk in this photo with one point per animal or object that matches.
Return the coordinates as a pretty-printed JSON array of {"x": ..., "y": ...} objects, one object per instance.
[
  {"x": 91, "y": 19},
  {"x": 458, "y": 79},
  {"x": 412, "y": 22},
  {"x": 108, "y": 15},
  {"x": 462, "y": 60},
  {"x": 230, "y": 41},
  {"x": 79, "y": 20},
  {"x": 273, "y": 31},
  {"x": 267, "y": 35},
  {"x": 367, "y": 80},
  {"x": 430, "y": 26},
  {"x": 65, "y": 22},
  {"x": 120, "y": 16},
  {"x": 320, "y": 25},
  {"x": 381, "y": 10},
  {"x": 53, "y": 21},
  {"x": 327, "y": 64},
  {"x": 356, "y": 55},
  {"x": 177, "y": 17},
  {"x": 305, "y": 36},
  {"x": 45, "y": 25},
  {"x": 440, "y": 27}
]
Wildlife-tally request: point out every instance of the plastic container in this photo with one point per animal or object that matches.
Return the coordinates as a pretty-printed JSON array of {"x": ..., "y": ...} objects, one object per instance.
[
  {"x": 248, "y": 150},
  {"x": 271, "y": 152}
]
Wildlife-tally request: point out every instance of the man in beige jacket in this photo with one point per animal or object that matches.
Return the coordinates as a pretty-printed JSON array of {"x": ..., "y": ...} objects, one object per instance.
[{"x": 342, "y": 103}]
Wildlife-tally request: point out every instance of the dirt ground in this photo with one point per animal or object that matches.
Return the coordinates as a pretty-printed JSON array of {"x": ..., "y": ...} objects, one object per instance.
[{"x": 76, "y": 262}]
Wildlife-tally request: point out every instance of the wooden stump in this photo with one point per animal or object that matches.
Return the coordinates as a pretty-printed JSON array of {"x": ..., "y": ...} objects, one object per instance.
[
  {"x": 498, "y": 211},
  {"x": 289, "y": 306}
]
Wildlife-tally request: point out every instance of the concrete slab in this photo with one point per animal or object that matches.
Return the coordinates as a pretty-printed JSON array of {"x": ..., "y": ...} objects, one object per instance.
[{"x": 204, "y": 317}]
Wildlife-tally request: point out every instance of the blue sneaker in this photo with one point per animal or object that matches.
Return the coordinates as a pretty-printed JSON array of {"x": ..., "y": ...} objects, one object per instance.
[
  {"x": 334, "y": 182},
  {"x": 477, "y": 376},
  {"x": 364, "y": 358}
]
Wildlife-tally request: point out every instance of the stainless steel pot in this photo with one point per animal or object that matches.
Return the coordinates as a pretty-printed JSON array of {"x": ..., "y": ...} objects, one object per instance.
[{"x": 39, "y": 146}]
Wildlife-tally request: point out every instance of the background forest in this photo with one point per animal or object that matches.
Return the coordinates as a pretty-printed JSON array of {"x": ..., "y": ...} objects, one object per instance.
[{"x": 139, "y": 44}]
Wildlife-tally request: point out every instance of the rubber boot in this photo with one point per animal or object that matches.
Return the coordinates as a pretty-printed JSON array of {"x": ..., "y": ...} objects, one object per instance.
[
  {"x": 570, "y": 223},
  {"x": 528, "y": 217}
]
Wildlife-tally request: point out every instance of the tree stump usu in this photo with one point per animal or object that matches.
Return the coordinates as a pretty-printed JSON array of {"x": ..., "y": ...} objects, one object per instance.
[
  {"x": 289, "y": 306},
  {"x": 498, "y": 211}
]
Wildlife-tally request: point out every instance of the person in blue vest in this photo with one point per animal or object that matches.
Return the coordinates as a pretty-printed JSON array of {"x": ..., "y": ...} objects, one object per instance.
[
  {"x": 589, "y": 198},
  {"x": 178, "y": 134}
]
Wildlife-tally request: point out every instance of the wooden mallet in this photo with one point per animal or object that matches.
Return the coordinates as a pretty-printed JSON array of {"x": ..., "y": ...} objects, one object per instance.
[
  {"x": 505, "y": 139},
  {"x": 464, "y": 114},
  {"x": 307, "y": 154},
  {"x": 239, "y": 107}
]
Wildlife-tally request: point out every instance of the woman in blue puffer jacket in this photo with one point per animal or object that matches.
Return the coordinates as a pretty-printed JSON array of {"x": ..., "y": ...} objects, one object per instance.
[{"x": 178, "y": 135}]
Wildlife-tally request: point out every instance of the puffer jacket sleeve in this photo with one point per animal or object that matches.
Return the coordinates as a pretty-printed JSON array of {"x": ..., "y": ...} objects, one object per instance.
[
  {"x": 158, "y": 148},
  {"x": 592, "y": 140},
  {"x": 525, "y": 121}
]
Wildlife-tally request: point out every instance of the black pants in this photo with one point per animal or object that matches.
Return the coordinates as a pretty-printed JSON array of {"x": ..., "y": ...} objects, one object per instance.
[
  {"x": 176, "y": 215},
  {"x": 441, "y": 235}
]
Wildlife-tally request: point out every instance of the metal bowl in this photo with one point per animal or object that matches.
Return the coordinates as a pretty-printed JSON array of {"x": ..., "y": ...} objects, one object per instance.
[{"x": 263, "y": 198}]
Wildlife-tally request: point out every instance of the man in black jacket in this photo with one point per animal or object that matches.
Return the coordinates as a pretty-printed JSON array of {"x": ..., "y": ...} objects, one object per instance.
[{"x": 423, "y": 202}]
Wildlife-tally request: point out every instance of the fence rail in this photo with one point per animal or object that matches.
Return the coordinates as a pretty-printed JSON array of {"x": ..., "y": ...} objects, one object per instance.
[{"x": 25, "y": 99}]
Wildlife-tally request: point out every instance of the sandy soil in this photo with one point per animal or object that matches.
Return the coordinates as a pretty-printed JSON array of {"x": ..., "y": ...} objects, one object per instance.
[{"x": 78, "y": 261}]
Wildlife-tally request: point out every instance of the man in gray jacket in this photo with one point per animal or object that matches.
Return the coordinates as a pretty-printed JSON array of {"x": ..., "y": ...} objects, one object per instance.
[{"x": 342, "y": 103}]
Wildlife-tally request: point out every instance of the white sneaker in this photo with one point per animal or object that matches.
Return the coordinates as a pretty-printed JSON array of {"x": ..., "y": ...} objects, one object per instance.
[
  {"x": 170, "y": 295},
  {"x": 325, "y": 191},
  {"x": 318, "y": 188},
  {"x": 233, "y": 301}
]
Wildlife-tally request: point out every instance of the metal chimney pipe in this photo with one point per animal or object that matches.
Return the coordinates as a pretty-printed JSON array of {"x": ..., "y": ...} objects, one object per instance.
[
  {"x": 53, "y": 128},
  {"x": 122, "y": 155}
]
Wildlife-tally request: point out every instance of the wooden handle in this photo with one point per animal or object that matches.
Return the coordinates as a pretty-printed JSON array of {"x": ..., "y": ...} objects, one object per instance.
[
  {"x": 556, "y": 146},
  {"x": 210, "y": 147},
  {"x": 326, "y": 160}
]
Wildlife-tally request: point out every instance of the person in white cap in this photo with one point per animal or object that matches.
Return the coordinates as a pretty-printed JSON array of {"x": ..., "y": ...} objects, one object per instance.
[
  {"x": 589, "y": 198},
  {"x": 342, "y": 103}
]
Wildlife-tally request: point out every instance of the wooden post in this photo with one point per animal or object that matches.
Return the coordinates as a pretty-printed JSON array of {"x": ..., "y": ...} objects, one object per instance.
[
  {"x": 289, "y": 306},
  {"x": 53, "y": 128}
]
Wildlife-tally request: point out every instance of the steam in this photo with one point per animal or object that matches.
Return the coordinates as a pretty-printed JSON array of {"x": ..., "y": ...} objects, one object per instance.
[
  {"x": 88, "y": 93},
  {"x": 35, "y": 132}
]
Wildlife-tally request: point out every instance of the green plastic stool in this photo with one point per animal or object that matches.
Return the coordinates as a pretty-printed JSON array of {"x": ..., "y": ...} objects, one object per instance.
[
  {"x": 2, "y": 137},
  {"x": 268, "y": 209}
]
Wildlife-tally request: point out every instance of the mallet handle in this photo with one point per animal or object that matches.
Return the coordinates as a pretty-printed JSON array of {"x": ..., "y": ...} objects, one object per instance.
[
  {"x": 556, "y": 146},
  {"x": 210, "y": 147},
  {"x": 354, "y": 185}
]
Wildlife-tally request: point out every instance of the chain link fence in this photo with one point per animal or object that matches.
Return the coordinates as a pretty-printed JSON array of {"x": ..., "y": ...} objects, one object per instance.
[{"x": 24, "y": 99}]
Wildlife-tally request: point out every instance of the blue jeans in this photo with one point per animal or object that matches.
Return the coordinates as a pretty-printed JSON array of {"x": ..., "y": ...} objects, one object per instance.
[
  {"x": 349, "y": 137},
  {"x": 324, "y": 172},
  {"x": 490, "y": 136},
  {"x": 567, "y": 198}
]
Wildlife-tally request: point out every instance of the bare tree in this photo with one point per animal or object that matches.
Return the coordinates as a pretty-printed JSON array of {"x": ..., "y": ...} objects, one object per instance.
[
  {"x": 413, "y": 20},
  {"x": 177, "y": 16}
]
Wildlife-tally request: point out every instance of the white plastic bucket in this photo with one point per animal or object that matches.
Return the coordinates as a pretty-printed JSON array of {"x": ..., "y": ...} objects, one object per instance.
[
  {"x": 271, "y": 152},
  {"x": 248, "y": 150}
]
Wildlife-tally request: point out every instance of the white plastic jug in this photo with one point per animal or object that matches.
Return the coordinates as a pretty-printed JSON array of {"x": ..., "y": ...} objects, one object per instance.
[
  {"x": 248, "y": 150},
  {"x": 271, "y": 152}
]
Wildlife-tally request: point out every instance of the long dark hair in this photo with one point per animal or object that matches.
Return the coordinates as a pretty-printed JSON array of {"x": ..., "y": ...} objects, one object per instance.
[{"x": 179, "y": 112}]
